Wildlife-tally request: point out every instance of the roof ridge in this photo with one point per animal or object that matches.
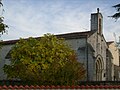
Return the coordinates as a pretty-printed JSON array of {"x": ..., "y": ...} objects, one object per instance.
[{"x": 72, "y": 35}]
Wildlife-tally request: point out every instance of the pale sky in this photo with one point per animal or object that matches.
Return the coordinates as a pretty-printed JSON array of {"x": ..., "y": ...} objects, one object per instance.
[{"x": 33, "y": 18}]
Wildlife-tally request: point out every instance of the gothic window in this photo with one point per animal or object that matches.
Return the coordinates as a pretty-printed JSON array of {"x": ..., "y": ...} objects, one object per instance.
[{"x": 99, "y": 68}]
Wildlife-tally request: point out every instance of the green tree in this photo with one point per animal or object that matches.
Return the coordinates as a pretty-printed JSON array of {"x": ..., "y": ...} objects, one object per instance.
[
  {"x": 47, "y": 60},
  {"x": 117, "y": 14},
  {"x": 2, "y": 25}
]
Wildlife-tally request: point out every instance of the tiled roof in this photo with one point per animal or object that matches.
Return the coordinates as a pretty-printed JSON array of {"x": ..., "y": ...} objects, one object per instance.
[
  {"x": 74, "y": 35},
  {"x": 108, "y": 43},
  {"x": 9, "y": 42}
]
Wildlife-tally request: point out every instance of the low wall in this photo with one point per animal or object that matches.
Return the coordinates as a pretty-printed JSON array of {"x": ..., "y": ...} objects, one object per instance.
[{"x": 60, "y": 87}]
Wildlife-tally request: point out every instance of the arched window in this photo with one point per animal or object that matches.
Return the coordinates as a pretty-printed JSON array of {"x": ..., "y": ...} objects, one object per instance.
[
  {"x": 100, "y": 26},
  {"x": 99, "y": 68}
]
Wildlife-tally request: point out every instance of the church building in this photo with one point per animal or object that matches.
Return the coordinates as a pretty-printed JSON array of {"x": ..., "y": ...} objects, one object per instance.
[{"x": 90, "y": 46}]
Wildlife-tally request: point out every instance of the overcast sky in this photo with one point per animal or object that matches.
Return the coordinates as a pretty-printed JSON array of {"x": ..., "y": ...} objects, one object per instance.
[{"x": 33, "y": 18}]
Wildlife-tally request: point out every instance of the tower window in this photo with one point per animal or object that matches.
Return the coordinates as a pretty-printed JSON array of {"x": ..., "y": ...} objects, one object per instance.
[
  {"x": 104, "y": 75},
  {"x": 100, "y": 27}
]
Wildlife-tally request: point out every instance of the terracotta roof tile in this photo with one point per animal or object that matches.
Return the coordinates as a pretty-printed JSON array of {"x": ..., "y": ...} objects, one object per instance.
[{"x": 21, "y": 87}]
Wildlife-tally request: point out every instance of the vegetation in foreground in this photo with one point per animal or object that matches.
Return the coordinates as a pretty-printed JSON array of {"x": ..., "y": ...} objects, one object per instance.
[{"x": 47, "y": 61}]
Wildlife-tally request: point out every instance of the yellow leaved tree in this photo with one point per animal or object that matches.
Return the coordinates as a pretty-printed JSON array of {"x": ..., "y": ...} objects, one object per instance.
[{"x": 47, "y": 61}]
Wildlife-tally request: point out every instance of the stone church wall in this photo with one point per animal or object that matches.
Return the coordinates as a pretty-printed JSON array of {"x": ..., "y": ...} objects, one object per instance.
[
  {"x": 99, "y": 45},
  {"x": 3, "y": 52},
  {"x": 79, "y": 45}
]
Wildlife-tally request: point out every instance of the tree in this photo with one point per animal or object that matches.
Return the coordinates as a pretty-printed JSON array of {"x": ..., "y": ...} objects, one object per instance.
[
  {"x": 2, "y": 25},
  {"x": 47, "y": 60},
  {"x": 117, "y": 14}
]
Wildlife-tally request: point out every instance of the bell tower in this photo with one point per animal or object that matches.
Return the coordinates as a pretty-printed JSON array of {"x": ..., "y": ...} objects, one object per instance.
[{"x": 97, "y": 22}]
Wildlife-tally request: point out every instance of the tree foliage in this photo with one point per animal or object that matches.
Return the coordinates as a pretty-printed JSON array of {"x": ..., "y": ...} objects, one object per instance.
[
  {"x": 47, "y": 59},
  {"x": 117, "y": 14},
  {"x": 2, "y": 25}
]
